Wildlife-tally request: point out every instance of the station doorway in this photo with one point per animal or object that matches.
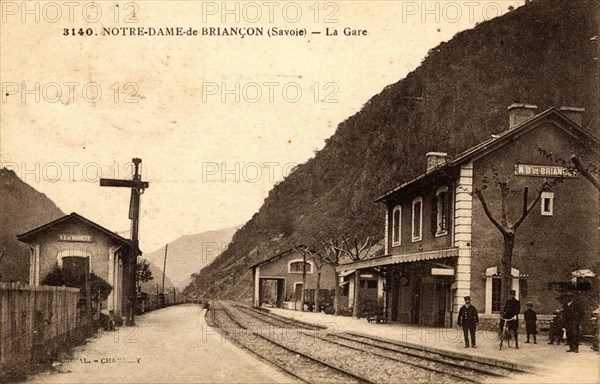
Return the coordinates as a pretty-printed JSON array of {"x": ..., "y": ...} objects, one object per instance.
[{"x": 271, "y": 291}]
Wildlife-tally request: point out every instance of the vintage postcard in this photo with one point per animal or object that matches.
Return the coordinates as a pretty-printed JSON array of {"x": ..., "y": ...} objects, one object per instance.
[{"x": 299, "y": 191}]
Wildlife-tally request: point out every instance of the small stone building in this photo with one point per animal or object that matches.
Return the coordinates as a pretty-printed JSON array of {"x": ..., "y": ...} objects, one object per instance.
[
  {"x": 278, "y": 281},
  {"x": 74, "y": 242}
]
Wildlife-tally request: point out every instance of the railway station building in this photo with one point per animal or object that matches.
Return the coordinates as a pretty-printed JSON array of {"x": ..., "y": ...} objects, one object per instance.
[
  {"x": 441, "y": 246},
  {"x": 278, "y": 281},
  {"x": 76, "y": 243}
]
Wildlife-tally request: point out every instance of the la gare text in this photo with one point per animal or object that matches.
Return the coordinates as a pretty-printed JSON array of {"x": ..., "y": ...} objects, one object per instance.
[{"x": 240, "y": 32}]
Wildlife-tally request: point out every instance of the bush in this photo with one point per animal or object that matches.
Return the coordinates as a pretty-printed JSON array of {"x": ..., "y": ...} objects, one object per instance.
[{"x": 59, "y": 277}]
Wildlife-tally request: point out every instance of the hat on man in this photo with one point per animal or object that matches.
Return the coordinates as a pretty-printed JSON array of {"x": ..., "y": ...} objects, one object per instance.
[
  {"x": 513, "y": 292},
  {"x": 467, "y": 298},
  {"x": 529, "y": 304},
  {"x": 557, "y": 311}
]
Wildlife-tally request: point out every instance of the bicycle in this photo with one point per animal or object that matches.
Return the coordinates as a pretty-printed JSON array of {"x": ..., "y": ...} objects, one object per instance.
[{"x": 505, "y": 332}]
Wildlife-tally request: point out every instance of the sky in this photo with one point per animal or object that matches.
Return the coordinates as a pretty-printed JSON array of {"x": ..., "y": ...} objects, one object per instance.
[{"x": 216, "y": 119}]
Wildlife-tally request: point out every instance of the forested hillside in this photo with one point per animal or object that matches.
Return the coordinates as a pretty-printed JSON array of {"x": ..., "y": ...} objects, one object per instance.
[
  {"x": 543, "y": 53},
  {"x": 22, "y": 208}
]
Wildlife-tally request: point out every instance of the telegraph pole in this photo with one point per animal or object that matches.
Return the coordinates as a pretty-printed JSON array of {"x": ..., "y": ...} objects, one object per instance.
[
  {"x": 163, "y": 278},
  {"x": 137, "y": 187}
]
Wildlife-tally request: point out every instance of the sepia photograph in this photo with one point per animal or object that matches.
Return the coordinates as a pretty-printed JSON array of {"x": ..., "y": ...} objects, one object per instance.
[{"x": 302, "y": 191}]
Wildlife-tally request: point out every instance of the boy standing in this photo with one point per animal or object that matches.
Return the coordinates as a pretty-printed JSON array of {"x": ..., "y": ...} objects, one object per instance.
[
  {"x": 530, "y": 323},
  {"x": 556, "y": 328}
]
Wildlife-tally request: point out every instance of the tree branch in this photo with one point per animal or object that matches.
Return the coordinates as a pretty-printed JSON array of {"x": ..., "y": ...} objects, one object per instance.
[
  {"x": 488, "y": 213},
  {"x": 581, "y": 168},
  {"x": 528, "y": 209}
]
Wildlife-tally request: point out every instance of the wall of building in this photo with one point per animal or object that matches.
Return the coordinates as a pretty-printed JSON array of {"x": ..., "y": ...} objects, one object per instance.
[
  {"x": 416, "y": 296},
  {"x": 50, "y": 246},
  {"x": 279, "y": 269},
  {"x": 429, "y": 240},
  {"x": 547, "y": 248}
]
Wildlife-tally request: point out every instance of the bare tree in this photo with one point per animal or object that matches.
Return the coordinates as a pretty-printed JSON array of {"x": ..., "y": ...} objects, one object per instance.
[
  {"x": 319, "y": 261},
  {"x": 355, "y": 252},
  {"x": 332, "y": 255},
  {"x": 590, "y": 171},
  {"x": 2, "y": 256},
  {"x": 576, "y": 164},
  {"x": 503, "y": 224},
  {"x": 306, "y": 255}
]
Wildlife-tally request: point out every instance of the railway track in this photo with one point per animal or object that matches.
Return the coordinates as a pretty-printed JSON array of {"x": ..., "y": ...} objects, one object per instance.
[
  {"x": 366, "y": 359},
  {"x": 277, "y": 321},
  {"x": 393, "y": 349},
  {"x": 295, "y": 363}
]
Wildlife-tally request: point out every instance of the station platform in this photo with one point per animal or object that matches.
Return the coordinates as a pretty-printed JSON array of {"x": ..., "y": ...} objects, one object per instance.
[{"x": 548, "y": 363}]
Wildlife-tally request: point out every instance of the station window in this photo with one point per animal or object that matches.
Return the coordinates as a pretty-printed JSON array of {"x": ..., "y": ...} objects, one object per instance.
[
  {"x": 547, "y": 203},
  {"x": 396, "y": 221},
  {"x": 493, "y": 287},
  {"x": 496, "y": 293},
  {"x": 368, "y": 284},
  {"x": 442, "y": 211},
  {"x": 75, "y": 265},
  {"x": 295, "y": 266},
  {"x": 417, "y": 219}
]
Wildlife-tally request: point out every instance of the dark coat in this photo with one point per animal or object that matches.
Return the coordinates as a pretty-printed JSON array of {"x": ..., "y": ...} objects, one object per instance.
[
  {"x": 572, "y": 314},
  {"x": 512, "y": 308},
  {"x": 467, "y": 316},
  {"x": 530, "y": 321},
  {"x": 557, "y": 323}
]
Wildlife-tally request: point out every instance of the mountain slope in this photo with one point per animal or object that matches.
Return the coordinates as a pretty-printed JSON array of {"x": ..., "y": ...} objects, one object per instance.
[
  {"x": 150, "y": 286},
  {"x": 543, "y": 53},
  {"x": 190, "y": 253},
  {"x": 22, "y": 208}
]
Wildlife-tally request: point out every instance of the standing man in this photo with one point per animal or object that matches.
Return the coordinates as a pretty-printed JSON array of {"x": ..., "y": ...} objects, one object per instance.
[
  {"x": 530, "y": 323},
  {"x": 572, "y": 316},
  {"x": 511, "y": 310},
  {"x": 468, "y": 319}
]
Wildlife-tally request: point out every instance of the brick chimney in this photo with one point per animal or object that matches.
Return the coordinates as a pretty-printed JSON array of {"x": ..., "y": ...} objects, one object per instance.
[
  {"x": 435, "y": 159},
  {"x": 574, "y": 113},
  {"x": 518, "y": 113}
]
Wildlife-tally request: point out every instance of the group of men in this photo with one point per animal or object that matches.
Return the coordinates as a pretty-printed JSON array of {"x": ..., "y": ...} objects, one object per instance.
[{"x": 572, "y": 318}]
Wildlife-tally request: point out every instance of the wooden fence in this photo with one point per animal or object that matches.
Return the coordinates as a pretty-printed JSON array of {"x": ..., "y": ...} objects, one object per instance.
[{"x": 33, "y": 317}]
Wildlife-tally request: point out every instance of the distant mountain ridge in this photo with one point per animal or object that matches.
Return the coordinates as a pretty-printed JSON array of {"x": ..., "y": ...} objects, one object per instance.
[
  {"x": 543, "y": 53},
  {"x": 190, "y": 253},
  {"x": 22, "y": 208}
]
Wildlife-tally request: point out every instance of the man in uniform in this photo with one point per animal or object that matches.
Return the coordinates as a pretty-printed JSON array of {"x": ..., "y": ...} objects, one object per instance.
[
  {"x": 572, "y": 317},
  {"x": 511, "y": 310},
  {"x": 468, "y": 319}
]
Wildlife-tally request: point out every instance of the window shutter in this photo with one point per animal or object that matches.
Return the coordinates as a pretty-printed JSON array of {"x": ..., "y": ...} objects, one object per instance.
[
  {"x": 434, "y": 213},
  {"x": 448, "y": 210}
]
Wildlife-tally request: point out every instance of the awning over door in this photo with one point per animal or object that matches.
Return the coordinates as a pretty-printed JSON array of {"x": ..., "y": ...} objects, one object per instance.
[{"x": 396, "y": 259}]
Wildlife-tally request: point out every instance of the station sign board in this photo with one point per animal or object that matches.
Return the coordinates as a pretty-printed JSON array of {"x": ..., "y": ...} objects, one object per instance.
[
  {"x": 544, "y": 171},
  {"x": 442, "y": 271},
  {"x": 76, "y": 238}
]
